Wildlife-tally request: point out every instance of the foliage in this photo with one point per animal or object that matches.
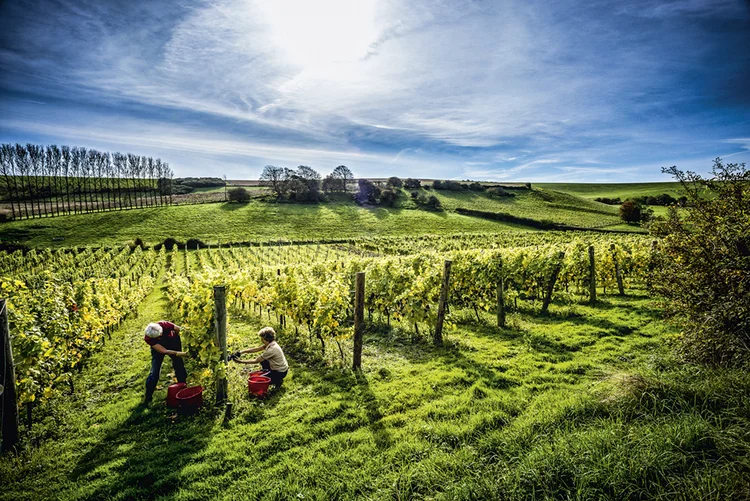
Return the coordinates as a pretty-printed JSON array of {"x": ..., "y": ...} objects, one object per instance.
[
  {"x": 238, "y": 194},
  {"x": 704, "y": 266},
  {"x": 412, "y": 184},
  {"x": 498, "y": 191},
  {"x": 49, "y": 180},
  {"x": 368, "y": 193},
  {"x": 630, "y": 212},
  {"x": 394, "y": 183}
]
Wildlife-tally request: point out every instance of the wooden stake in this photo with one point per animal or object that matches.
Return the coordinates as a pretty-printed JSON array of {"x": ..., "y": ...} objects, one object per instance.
[
  {"x": 501, "y": 298},
  {"x": 438, "y": 337},
  {"x": 618, "y": 272},
  {"x": 592, "y": 276},
  {"x": 8, "y": 396},
  {"x": 551, "y": 283},
  {"x": 359, "y": 319},
  {"x": 220, "y": 319}
]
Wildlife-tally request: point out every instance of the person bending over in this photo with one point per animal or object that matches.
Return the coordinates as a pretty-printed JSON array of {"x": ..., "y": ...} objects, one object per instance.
[
  {"x": 271, "y": 358},
  {"x": 164, "y": 339}
]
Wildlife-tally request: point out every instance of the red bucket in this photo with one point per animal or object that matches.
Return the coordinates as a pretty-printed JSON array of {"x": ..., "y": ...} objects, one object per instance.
[
  {"x": 172, "y": 392},
  {"x": 190, "y": 399},
  {"x": 258, "y": 385}
]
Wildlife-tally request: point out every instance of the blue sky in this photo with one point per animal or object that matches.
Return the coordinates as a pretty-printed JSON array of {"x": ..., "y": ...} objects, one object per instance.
[{"x": 568, "y": 91}]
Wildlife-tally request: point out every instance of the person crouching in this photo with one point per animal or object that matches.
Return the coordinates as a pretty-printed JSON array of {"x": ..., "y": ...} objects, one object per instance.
[
  {"x": 271, "y": 359},
  {"x": 164, "y": 339}
]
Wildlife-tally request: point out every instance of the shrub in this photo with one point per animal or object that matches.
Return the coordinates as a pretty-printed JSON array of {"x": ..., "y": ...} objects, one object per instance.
[
  {"x": 414, "y": 194},
  {"x": 394, "y": 183},
  {"x": 238, "y": 194},
  {"x": 608, "y": 201},
  {"x": 194, "y": 243},
  {"x": 433, "y": 202},
  {"x": 448, "y": 185},
  {"x": 412, "y": 184},
  {"x": 497, "y": 191},
  {"x": 367, "y": 193},
  {"x": 630, "y": 212},
  {"x": 388, "y": 197},
  {"x": 702, "y": 265},
  {"x": 477, "y": 186}
]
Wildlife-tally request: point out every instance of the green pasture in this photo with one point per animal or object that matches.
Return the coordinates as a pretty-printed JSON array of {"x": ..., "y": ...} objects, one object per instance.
[
  {"x": 338, "y": 218},
  {"x": 614, "y": 190},
  {"x": 584, "y": 403}
]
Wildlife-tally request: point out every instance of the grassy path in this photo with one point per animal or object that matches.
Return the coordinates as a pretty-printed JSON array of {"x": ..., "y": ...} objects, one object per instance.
[{"x": 579, "y": 404}]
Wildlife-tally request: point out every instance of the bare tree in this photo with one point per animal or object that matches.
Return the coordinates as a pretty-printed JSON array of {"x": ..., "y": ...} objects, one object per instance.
[
  {"x": 65, "y": 156},
  {"x": 274, "y": 177},
  {"x": 343, "y": 173}
]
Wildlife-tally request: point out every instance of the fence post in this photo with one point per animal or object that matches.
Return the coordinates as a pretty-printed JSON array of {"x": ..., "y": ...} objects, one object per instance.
[
  {"x": 359, "y": 319},
  {"x": 438, "y": 337},
  {"x": 8, "y": 396},
  {"x": 501, "y": 298},
  {"x": 592, "y": 276},
  {"x": 552, "y": 281},
  {"x": 220, "y": 320},
  {"x": 618, "y": 271}
]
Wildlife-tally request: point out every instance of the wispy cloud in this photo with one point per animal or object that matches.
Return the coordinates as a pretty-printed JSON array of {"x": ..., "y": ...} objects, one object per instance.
[{"x": 470, "y": 88}]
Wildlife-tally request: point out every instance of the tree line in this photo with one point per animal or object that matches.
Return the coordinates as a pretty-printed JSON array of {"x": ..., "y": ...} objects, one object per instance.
[
  {"x": 49, "y": 180},
  {"x": 305, "y": 184}
]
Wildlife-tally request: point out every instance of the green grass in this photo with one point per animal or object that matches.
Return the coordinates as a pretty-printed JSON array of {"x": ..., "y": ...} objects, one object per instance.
[
  {"x": 537, "y": 204},
  {"x": 582, "y": 404},
  {"x": 239, "y": 222},
  {"x": 614, "y": 190}
]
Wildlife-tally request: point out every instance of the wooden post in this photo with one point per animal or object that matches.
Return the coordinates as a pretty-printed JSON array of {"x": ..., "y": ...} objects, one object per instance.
[
  {"x": 359, "y": 319},
  {"x": 220, "y": 320},
  {"x": 551, "y": 283},
  {"x": 618, "y": 272},
  {"x": 501, "y": 298},
  {"x": 438, "y": 337},
  {"x": 8, "y": 393},
  {"x": 592, "y": 276}
]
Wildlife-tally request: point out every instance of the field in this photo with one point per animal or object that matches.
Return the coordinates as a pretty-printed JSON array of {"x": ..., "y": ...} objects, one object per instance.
[
  {"x": 340, "y": 218},
  {"x": 619, "y": 190},
  {"x": 583, "y": 402}
]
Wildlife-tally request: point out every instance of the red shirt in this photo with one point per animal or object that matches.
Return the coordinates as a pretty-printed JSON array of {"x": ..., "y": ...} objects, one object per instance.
[{"x": 167, "y": 333}]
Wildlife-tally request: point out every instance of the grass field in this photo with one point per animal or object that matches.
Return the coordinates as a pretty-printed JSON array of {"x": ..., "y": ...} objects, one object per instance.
[
  {"x": 260, "y": 220},
  {"x": 614, "y": 190},
  {"x": 582, "y": 404}
]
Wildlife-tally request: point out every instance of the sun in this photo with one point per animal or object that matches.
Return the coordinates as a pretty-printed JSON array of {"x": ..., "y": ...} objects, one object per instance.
[{"x": 319, "y": 35}]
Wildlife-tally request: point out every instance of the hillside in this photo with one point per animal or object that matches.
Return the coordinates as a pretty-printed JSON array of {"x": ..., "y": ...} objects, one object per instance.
[
  {"x": 614, "y": 190},
  {"x": 265, "y": 220}
]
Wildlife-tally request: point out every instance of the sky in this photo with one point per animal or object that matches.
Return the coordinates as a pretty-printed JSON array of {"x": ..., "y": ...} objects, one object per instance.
[{"x": 563, "y": 91}]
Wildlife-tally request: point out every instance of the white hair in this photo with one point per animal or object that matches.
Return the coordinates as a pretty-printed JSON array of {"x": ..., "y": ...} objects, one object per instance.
[{"x": 153, "y": 330}]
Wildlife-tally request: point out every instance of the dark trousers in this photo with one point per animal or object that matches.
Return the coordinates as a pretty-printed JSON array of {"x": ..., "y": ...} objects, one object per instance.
[
  {"x": 276, "y": 376},
  {"x": 156, "y": 360}
]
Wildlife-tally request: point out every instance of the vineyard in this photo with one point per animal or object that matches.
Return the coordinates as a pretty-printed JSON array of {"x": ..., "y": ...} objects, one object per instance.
[
  {"x": 76, "y": 319},
  {"x": 63, "y": 304}
]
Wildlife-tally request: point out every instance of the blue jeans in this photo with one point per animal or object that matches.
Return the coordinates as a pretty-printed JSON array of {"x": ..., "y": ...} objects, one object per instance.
[{"x": 156, "y": 360}]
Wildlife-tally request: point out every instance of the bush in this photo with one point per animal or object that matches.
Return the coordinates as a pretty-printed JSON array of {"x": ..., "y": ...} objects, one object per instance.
[
  {"x": 630, "y": 212},
  {"x": 477, "y": 186},
  {"x": 394, "y": 183},
  {"x": 238, "y": 194},
  {"x": 608, "y": 201},
  {"x": 367, "y": 193},
  {"x": 433, "y": 202},
  {"x": 194, "y": 243},
  {"x": 702, "y": 265},
  {"x": 412, "y": 184},
  {"x": 497, "y": 191},
  {"x": 414, "y": 194},
  {"x": 388, "y": 198},
  {"x": 448, "y": 185}
]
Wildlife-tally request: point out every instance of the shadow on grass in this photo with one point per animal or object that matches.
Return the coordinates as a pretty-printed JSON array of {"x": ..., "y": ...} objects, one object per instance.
[
  {"x": 374, "y": 416},
  {"x": 142, "y": 458}
]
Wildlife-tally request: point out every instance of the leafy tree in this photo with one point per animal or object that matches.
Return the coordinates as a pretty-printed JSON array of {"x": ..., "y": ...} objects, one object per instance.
[
  {"x": 238, "y": 194},
  {"x": 368, "y": 193},
  {"x": 630, "y": 212},
  {"x": 412, "y": 184},
  {"x": 394, "y": 183},
  {"x": 702, "y": 265},
  {"x": 388, "y": 197}
]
